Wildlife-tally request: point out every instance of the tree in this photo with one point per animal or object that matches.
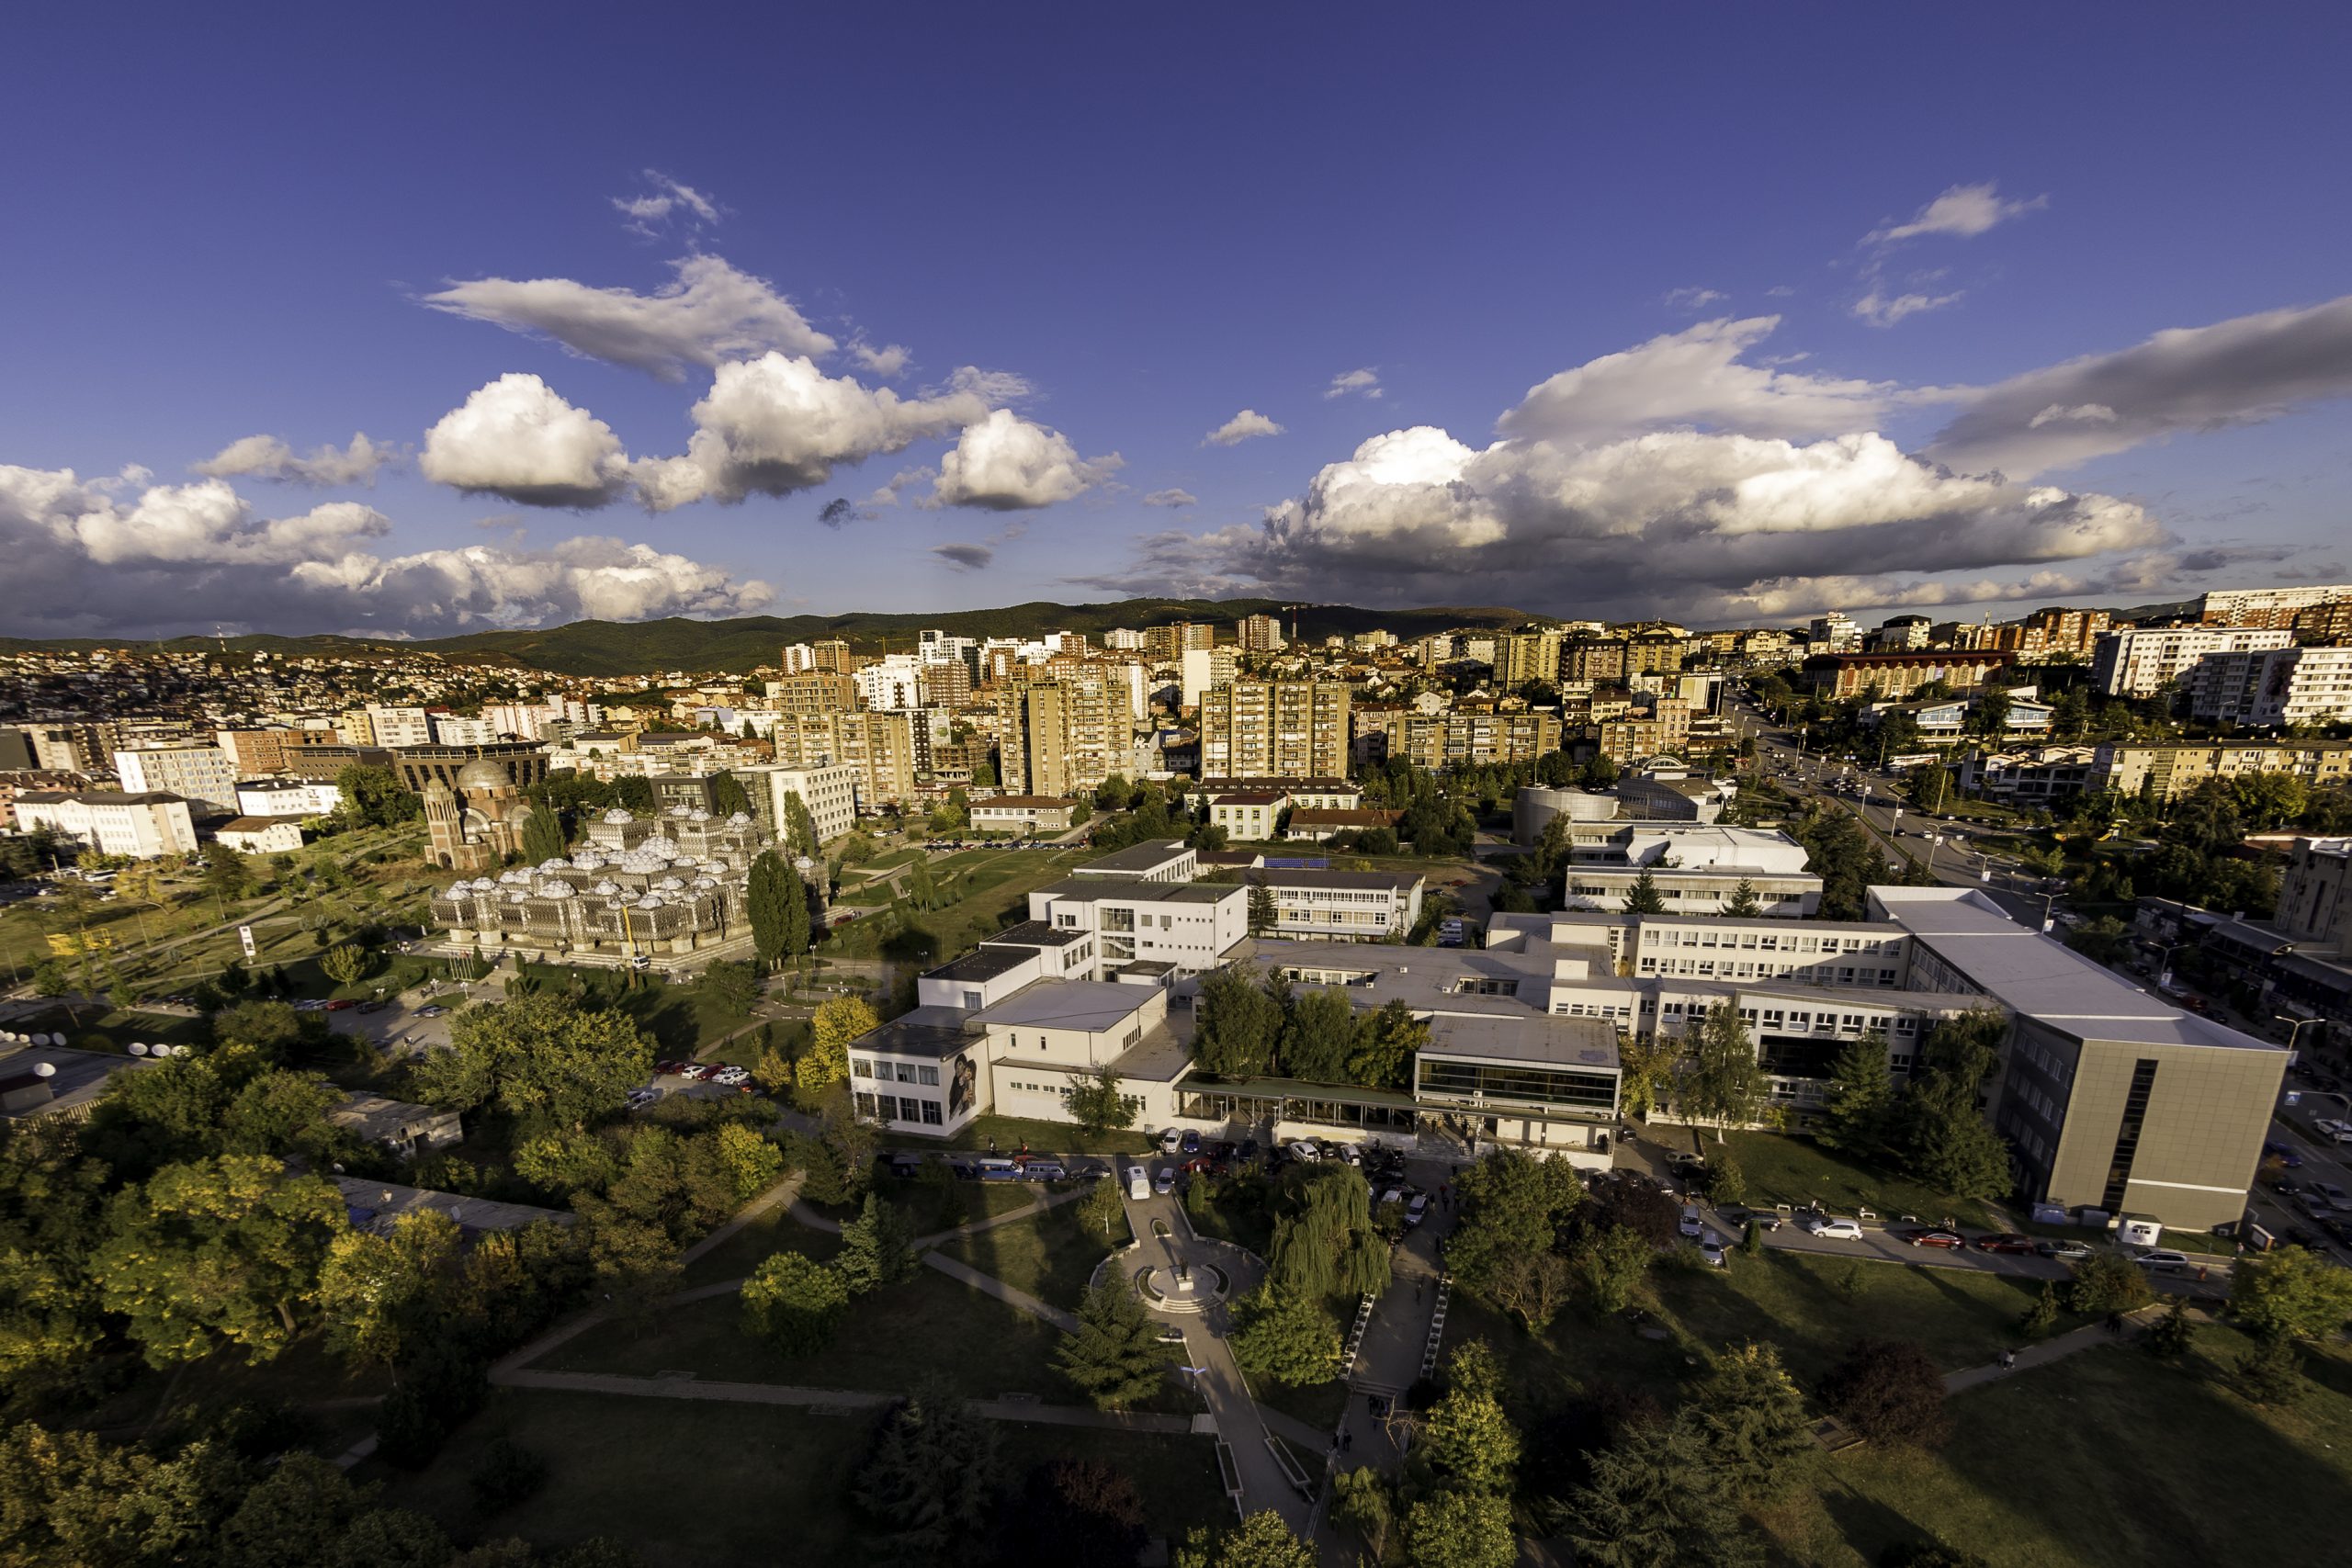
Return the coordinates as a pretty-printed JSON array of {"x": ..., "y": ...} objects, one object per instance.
[
  {"x": 1262, "y": 913},
  {"x": 777, "y": 903},
  {"x": 1751, "y": 1420},
  {"x": 1862, "y": 1094},
  {"x": 1097, "y": 1104},
  {"x": 1644, "y": 898},
  {"x": 1286, "y": 1337},
  {"x": 346, "y": 962},
  {"x": 1262, "y": 1541},
  {"x": 876, "y": 1247},
  {"x": 283, "y": 1114},
  {"x": 2291, "y": 1292},
  {"x": 564, "y": 1162},
  {"x": 218, "y": 1253},
  {"x": 1533, "y": 1287},
  {"x": 376, "y": 797},
  {"x": 1459, "y": 1530},
  {"x": 932, "y": 1478},
  {"x": 541, "y": 1058},
  {"x": 1720, "y": 1080},
  {"x": 1075, "y": 1513},
  {"x": 1324, "y": 1240},
  {"x": 302, "y": 1502},
  {"x": 2272, "y": 1372},
  {"x": 378, "y": 1292},
  {"x": 1382, "y": 1054},
  {"x": 1468, "y": 1439},
  {"x": 507, "y": 1473},
  {"x": 1101, "y": 1209},
  {"x": 543, "y": 836},
  {"x": 2041, "y": 1316},
  {"x": 1362, "y": 1502},
  {"x": 1113, "y": 1356},
  {"x": 1240, "y": 1026},
  {"x": 1654, "y": 1501},
  {"x": 1942, "y": 1137},
  {"x": 1512, "y": 1204},
  {"x": 1611, "y": 1264},
  {"x": 228, "y": 874},
  {"x": 751, "y": 1163},
  {"x": 1319, "y": 1036},
  {"x": 635, "y": 1262},
  {"x": 2170, "y": 1336},
  {"x": 794, "y": 1303},
  {"x": 157, "y": 1116},
  {"x": 731, "y": 987},
  {"x": 836, "y": 1022},
  {"x": 1891, "y": 1391},
  {"x": 1742, "y": 902}
]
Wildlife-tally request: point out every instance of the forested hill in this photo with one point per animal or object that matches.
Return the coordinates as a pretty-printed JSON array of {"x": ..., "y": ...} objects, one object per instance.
[{"x": 609, "y": 647}]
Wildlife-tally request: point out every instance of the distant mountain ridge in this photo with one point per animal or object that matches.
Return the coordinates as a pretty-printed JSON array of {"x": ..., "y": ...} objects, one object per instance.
[{"x": 641, "y": 648}]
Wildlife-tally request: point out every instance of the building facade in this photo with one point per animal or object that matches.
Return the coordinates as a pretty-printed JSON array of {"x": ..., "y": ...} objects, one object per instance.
[
  {"x": 113, "y": 822},
  {"x": 1275, "y": 729},
  {"x": 2141, "y": 661}
]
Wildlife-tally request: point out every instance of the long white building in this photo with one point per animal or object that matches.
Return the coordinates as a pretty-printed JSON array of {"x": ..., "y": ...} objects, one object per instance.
[
  {"x": 113, "y": 822},
  {"x": 2139, "y": 661}
]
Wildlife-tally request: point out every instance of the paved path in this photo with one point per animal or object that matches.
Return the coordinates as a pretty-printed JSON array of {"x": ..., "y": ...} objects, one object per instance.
[
  {"x": 989, "y": 1284},
  {"x": 2041, "y": 1353},
  {"x": 837, "y": 1399}
]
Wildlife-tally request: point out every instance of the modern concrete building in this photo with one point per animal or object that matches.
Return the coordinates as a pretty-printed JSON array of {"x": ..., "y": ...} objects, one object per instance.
[
  {"x": 2272, "y": 688},
  {"x": 202, "y": 775},
  {"x": 1189, "y": 926},
  {"x": 260, "y": 835},
  {"x": 297, "y": 798},
  {"x": 1280, "y": 730},
  {"x": 1158, "y": 859},
  {"x": 1023, "y": 814},
  {"x": 2111, "y": 1099},
  {"x": 1341, "y": 905},
  {"x": 1893, "y": 676},
  {"x": 2167, "y": 771},
  {"x": 1696, "y": 868},
  {"x": 1532, "y": 810}
]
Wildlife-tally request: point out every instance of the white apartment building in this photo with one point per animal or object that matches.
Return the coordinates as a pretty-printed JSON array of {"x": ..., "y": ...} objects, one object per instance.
[
  {"x": 455, "y": 729},
  {"x": 206, "y": 776},
  {"x": 400, "y": 726},
  {"x": 2231, "y": 603},
  {"x": 1342, "y": 906},
  {"x": 2272, "y": 688},
  {"x": 260, "y": 835},
  {"x": 297, "y": 798},
  {"x": 1124, "y": 639},
  {"x": 891, "y": 683},
  {"x": 141, "y": 825},
  {"x": 1189, "y": 927},
  {"x": 1022, "y": 814},
  {"x": 2139, "y": 661},
  {"x": 828, "y": 794},
  {"x": 1252, "y": 814}
]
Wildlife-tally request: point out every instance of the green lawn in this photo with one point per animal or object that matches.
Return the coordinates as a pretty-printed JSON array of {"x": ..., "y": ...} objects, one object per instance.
[
  {"x": 1010, "y": 1133},
  {"x": 929, "y": 1327},
  {"x": 774, "y": 1230},
  {"x": 1051, "y": 1255},
  {"x": 1785, "y": 1169},
  {"x": 693, "y": 1483},
  {"x": 2106, "y": 1459}
]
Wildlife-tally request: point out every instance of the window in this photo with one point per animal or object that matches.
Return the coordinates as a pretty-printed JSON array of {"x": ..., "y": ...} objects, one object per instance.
[
  {"x": 909, "y": 1110},
  {"x": 865, "y": 1103},
  {"x": 906, "y": 1072},
  {"x": 928, "y": 1077},
  {"x": 861, "y": 1067},
  {"x": 931, "y": 1113},
  {"x": 972, "y": 1002}
]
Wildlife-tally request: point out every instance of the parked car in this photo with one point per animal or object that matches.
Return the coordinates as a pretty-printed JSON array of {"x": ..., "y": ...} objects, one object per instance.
[
  {"x": 640, "y": 1097},
  {"x": 1171, "y": 1140},
  {"x": 373, "y": 1007},
  {"x": 1165, "y": 1182},
  {"x": 732, "y": 1075},
  {"x": 341, "y": 1004},
  {"x": 2004, "y": 1241},
  {"x": 1303, "y": 1150},
  {"x": 1044, "y": 1170},
  {"x": 2326, "y": 1127},
  {"x": 2063, "y": 1247},
  {"x": 1190, "y": 1142},
  {"x": 668, "y": 1069},
  {"x": 1828, "y": 1229},
  {"x": 1689, "y": 1224},
  {"x": 1710, "y": 1247},
  {"x": 1138, "y": 1185},
  {"x": 1199, "y": 1165},
  {"x": 2333, "y": 1192},
  {"x": 1924, "y": 1236},
  {"x": 1418, "y": 1210},
  {"x": 2162, "y": 1260},
  {"x": 1248, "y": 1150},
  {"x": 1172, "y": 1334},
  {"x": 2285, "y": 1153}
]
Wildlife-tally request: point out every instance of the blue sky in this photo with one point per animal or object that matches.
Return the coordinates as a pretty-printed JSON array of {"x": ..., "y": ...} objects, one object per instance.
[{"x": 1729, "y": 312}]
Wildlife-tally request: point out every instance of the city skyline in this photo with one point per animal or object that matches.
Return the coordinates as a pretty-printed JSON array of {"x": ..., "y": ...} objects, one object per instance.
[{"x": 1101, "y": 314}]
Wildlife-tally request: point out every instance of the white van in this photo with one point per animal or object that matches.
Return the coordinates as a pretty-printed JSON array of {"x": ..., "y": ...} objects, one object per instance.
[{"x": 1139, "y": 1182}]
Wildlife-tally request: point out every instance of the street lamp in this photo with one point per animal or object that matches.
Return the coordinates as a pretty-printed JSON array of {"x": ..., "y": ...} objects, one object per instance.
[{"x": 2294, "y": 1028}]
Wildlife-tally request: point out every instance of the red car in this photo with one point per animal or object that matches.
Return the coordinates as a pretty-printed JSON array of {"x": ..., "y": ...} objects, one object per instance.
[
  {"x": 340, "y": 1003},
  {"x": 669, "y": 1069},
  {"x": 1946, "y": 1239},
  {"x": 2007, "y": 1241}
]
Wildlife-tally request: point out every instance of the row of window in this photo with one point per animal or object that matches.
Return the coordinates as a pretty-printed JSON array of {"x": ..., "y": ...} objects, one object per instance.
[
  {"x": 1747, "y": 969},
  {"x": 898, "y": 1108},
  {"x": 1765, "y": 941},
  {"x": 866, "y": 1067}
]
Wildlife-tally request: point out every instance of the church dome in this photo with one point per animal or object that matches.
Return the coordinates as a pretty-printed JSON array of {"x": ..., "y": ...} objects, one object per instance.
[{"x": 484, "y": 774}]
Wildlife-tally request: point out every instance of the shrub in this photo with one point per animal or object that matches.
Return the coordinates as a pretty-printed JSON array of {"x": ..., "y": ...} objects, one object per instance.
[
  {"x": 1890, "y": 1392},
  {"x": 507, "y": 1474}
]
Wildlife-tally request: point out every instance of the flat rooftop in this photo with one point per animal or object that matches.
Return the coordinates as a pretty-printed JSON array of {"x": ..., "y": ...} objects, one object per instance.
[
  {"x": 1095, "y": 1006},
  {"x": 981, "y": 964},
  {"x": 936, "y": 1032},
  {"x": 375, "y": 1204},
  {"x": 1553, "y": 1041},
  {"x": 1393, "y": 881},
  {"x": 2044, "y": 979},
  {"x": 1132, "y": 890},
  {"x": 1136, "y": 859},
  {"x": 1033, "y": 933}
]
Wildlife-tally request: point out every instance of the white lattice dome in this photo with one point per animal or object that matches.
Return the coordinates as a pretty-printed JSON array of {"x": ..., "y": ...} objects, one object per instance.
[
  {"x": 698, "y": 814},
  {"x": 618, "y": 816},
  {"x": 556, "y": 862},
  {"x": 606, "y": 888},
  {"x": 680, "y": 810},
  {"x": 587, "y": 859},
  {"x": 650, "y": 901},
  {"x": 669, "y": 883},
  {"x": 555, "y": 890},
  {"x": 738, "y": 819},
  {"x": 518, "y": 896}
]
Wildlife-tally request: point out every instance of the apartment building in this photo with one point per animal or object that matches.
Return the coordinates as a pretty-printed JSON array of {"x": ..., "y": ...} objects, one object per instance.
[
  {"x": 1521, "y": 657},
  {"x": 1249, "y": 813},
  {"x": 1275, "y": 729},
  {"x": 295, "y": 799},
  {"x": 1199, "y": 670},
  {"x": 828, "y": 792},
  {"x": 204, "y": 777},
  {"x": 1066, "y": 735},
  {"x": 1260, "y": 634},
  {"x": 1599, "y": 660},
  {"x": 2272, "y": 688},
  {"x": 1893, "y": 676},
  {"x": 895, "y": 681},
  {"x": 397, "y": 727},
  {"x": 1022, "y": 814},
  {"x": 1451, "y": 739},
  {"x": 2141, "y": 661},
  {"x": 1188, "y": 926},
  {"x": 878, "y": 747},
  {"x": 2265, "y": 606},
  {"x": 2034, "y": 777},
  {"x": 254, "y": 752},
  {"x": 813, "y": 692},
  {"x": 140, "y": 823},
  {"x": 1166, "y": 644},
  {"x": 2164, "y": 771}
]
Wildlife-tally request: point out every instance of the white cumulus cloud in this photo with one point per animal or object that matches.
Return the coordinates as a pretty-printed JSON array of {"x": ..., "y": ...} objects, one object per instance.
[
  {"x": 1005, "y": 463},
  {"x": 889, "y": 361},
  {"x": 1242, "y": 427},
  {"x": 1882, "y": 309},
  {"x": 709, "y": 313},
  {"x": 1364, "y": 382},
  {"x": 268, "y": 458},
  {"x": 516, "y": 438},
  {"x": 1170, "y": 497},
  {"x": 1962, "y": 212}
]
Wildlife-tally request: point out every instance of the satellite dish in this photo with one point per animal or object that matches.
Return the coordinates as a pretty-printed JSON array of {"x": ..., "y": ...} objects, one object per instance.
[
  {"x": 40, "y": 1040},
  {"x": 44, "y": 1069},
  {"x": 137, "y": 1049}
]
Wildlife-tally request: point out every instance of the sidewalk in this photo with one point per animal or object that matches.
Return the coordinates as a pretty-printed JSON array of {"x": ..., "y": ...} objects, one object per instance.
[{"x": 2041, "y": 1353}]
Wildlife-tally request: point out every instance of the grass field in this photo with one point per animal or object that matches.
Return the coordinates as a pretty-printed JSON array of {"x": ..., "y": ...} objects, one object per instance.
[
  {"x": 2106, "y": 1459},
  {"x": 1051, "y": 1255},
  {"x": 1781, "y": 1168},
  {"x": 696, "y": 1484},
  {"x": 930, "y": 1326},
  {"x": 774, "y": 1230}
]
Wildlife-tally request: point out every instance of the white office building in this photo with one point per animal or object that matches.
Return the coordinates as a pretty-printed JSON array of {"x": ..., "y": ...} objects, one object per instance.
[
  {"x": 2273, "y": 688},
  {"x": 297, "y": 798},
  {"x": 1342, "y": 906},
  {"x": 2139, "y": 661},
  {"x": 113, "y": 822},
  {"x": 206, "y": 776},
  {"x": 1697, "y": 868}
]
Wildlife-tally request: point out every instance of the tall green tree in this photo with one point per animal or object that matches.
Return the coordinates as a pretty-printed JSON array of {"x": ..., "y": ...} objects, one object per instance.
[
  {"x": 794, "y": 1303},
  {"x": 1751, "y": 1420},
  {"x": 1262, "y": 913},
  {"x": 1655, "y": 1500},
  {"x": 1743, "y": 903},
  {"x": 877, "y": 1248},
  {"x": 1467, "y": 1439},
  {"x": 799, "y": 827},
  {"x": 1239, "y": 1027},
  {"x": 726, "y": 796},
  {"x": 1943, "y": 1138},
  {"x": 541, "y": 1058},
  {"x": 775, "y": 892},
  {"x": 1114, "y": 1356},
  {"x": 1098, "y": 1103},
  {"x": 376, "y": 797},
  {"x": 731, "y": 987},
  {"x": 1512, "y": 1205},
  {"x": 1720, "y": 1079},
  {"x": 218, "y": 1254},
  {"x": 1381, "y": 1055},
  {"x": 378, "y": 1294},
  {"x": 1862, "y": 1096},
  {"x": 346, "y": 962},
  {"x": 1262, "y": 1541},
  {"x": 836, "y": 1022},
  {"x": 1610, "y": 1264},
  {"x": 932, "y": 1480},
  {"x": 1460, "y": 1530},
  {"x": 1318, "y": 1036},
  {"x": 1644, "y": 898},
  {"x": 2291, "y": 1292},
  {"x": 1285, "y": 1336},
  {"x": 1324, "y": 1242},
  {"x": 543, "y": 836}
]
